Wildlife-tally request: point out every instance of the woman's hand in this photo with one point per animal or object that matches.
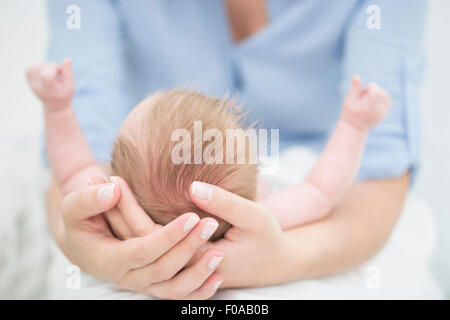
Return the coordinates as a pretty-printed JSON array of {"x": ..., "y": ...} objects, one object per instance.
[
  {"x": 151, "y": 263},
  {"x": 258, "y": 253},
  {"x": 255, "y": 248}
]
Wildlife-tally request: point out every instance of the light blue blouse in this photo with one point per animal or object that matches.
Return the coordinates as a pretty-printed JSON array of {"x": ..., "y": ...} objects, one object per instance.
[{"x": 291, "y": 74}]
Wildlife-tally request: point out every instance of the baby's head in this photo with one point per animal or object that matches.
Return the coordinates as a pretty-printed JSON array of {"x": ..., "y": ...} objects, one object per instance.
[{"x": 149, "y": 161}]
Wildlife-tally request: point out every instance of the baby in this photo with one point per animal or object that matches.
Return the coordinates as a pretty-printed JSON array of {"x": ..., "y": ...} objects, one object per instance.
[{"x": 147, "y": 144}]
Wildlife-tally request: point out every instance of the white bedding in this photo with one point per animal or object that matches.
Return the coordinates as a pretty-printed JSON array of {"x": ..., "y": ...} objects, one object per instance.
[{"x": 32, "y": 267}]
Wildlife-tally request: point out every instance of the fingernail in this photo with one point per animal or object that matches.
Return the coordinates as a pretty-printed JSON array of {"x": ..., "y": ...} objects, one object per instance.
[
  {"x": 202, "y": 190},
  {"x": 214, "y": 262},
  {"x": 89, "y": 181},
  {"x": 217, "y": 284},
  {"x": 209, "y": 229},
  {"x": 106, "y": 192},
  {"x": 190, "y": 223}
]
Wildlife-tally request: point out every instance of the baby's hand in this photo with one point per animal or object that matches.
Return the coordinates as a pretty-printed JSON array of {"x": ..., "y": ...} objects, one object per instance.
[
  {"x": 365, "y": 107},
  {"x": 52, "y": 83}
]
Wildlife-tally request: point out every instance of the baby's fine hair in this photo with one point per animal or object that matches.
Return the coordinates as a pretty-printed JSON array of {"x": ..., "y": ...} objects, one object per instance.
[{"x": 144, "y": 157}]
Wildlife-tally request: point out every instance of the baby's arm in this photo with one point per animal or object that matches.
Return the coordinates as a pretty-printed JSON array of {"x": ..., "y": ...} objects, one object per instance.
[
  {"x": 339, "y": 162},
  {"x": 68, "y": 152}
]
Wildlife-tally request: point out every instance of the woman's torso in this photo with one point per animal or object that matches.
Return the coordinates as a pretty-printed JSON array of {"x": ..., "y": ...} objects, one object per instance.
[{"x": 287, "y": 73}]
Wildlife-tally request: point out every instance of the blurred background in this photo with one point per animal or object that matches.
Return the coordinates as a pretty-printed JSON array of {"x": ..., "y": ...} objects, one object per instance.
[{"x": 23, "y": 41}]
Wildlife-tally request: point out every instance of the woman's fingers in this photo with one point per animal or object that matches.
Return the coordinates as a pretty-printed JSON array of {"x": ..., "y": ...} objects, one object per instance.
[
  {"x": 138, "y": 221},
  {"x": 238, "y": 211},
  {"x": 160, "y": 258},
  {"x": 185, "y": 250},
  {"x": 95, "y": 180},
  {"x": 193, "y": 282},
  {"x": 208, "y": 289},
  {"x": 116, "y": 221},
  {"x": 90, "y": 201},
  {"x": 142, "y": 251},
  {"x": 128, "y": 220},
  {"x": 118, "y": 224}
]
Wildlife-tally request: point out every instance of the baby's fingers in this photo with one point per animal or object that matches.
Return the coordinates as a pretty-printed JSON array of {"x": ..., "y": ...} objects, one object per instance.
[
  {"x": 33, "y": 75},
  {"x": 355, "y": 88},
  {"x": 49, "y": 75},
  {"x": 33, "y": 72},
  {"x": 67, "y": 73}
]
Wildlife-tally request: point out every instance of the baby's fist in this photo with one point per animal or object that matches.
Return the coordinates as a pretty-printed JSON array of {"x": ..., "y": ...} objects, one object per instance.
[
  {"x": 366, "y": 107},
  {"x": 52, "y": 83}
]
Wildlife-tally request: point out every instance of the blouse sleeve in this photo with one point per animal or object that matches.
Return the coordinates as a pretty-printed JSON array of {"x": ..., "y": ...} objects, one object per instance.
[{"x": 390, "y": 55}]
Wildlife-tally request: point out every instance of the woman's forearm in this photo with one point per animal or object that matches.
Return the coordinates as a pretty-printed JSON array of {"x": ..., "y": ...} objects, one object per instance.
[{"x": 355, "y": 231}]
